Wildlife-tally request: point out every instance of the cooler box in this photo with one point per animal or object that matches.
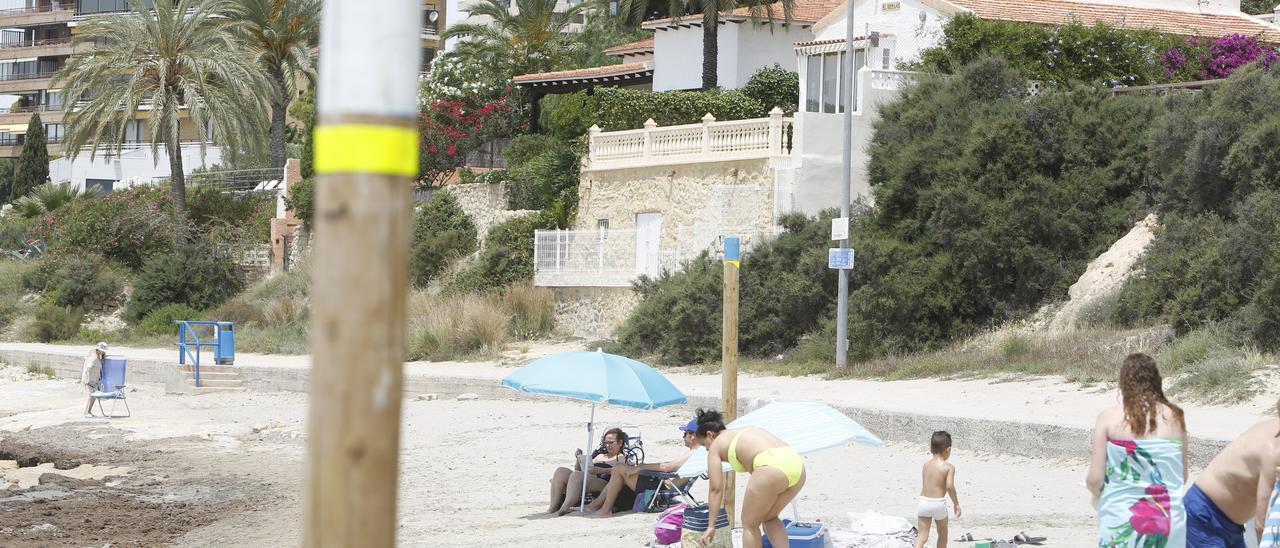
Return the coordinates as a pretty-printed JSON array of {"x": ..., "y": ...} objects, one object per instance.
[{"x": 806, "y": 535}]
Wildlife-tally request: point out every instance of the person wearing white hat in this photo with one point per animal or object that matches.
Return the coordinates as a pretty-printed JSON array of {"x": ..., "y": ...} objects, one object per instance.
[{"x": 91, "y": 374}]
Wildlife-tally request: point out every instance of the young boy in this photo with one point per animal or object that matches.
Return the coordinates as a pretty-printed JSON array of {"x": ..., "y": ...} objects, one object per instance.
[{"x": 939, "y": 482}]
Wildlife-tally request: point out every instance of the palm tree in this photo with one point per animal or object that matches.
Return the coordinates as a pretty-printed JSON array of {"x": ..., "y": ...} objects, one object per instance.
[
  {"x": 531, "y": 40},
  {"x": 180, "y": 59},
  {"x": 281, "y": 34},
  {"x": 633, "y": 10}
]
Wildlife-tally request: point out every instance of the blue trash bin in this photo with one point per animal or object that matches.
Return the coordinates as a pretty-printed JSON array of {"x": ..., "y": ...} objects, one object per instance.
[{"x": 225, "y": 352}]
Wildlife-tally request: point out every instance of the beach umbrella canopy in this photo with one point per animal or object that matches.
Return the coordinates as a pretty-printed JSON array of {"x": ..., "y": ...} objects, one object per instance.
[
  {"x": 808, "y": 427},
  {"x": 596, "y": 377}
]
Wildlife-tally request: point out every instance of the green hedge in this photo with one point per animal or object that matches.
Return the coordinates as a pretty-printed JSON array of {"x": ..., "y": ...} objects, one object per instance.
[
  {"x": 195, "y": 276},
  {"x": 442, "y": 232},
  {"x": 620, "y": 109},
  {"x": 775, "y": 87}
]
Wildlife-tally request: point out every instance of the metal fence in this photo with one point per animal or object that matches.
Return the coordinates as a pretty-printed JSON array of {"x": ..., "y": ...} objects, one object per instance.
[{"x": 265, "y": 181}]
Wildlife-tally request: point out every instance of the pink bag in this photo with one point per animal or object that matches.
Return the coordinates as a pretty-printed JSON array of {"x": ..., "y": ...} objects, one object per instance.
[{"x": 670, "y": 522}]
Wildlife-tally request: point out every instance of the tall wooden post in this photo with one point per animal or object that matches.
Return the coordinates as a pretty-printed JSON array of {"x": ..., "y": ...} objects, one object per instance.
[
  {"x": 366, "y": 157},
  {"x": 729, "y": 356}
]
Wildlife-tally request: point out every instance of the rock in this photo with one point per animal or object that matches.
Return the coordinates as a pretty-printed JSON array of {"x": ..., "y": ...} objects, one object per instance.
[
  {"x": 44, "y": 528},
  {"x": 427, "y": 397},
  {"x": 468, "y": 397},
  {"x": 258, "y": 428}
]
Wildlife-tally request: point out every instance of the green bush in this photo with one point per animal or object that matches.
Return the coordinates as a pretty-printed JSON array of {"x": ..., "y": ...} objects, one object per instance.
[
  {"x": 13, "y": 232},
  {"x": 989, "y": 203},
  {"x": 161, "y": 321},
  {"x": 785, "y": 292},
  {"x": 549, "y": 182},
  {"x": 570, "y": 116},
  {"x": 42, "y": 274},
  {"x": 54, "y": 323},
  {"x": 507, "y": 256},
  {"x": 301, "y": 200},
  {"x": 194, "y": 275},
  {"x": 85, "y": 281},
  {"x": 1063, "y": 53},
  {"x": 775, "y": 87},
  {"x": 248, "y": 215},
  {"x": 529, "y": 145},
  {"x": 442, "y": 232},
  {"x": 125, "y": 226},
  {"x": 622, "y": 108}
]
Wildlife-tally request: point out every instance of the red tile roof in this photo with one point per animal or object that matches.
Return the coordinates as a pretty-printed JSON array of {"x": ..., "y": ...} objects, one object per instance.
[
  {"x": 1186, "y": 23},
  {"x": 804, "y": 11},
  {"x": 641, "y": 46},
  {"x": 607, "y": 71}
]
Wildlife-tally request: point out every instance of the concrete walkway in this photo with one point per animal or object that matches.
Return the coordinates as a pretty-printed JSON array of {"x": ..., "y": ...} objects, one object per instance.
[{"x": 1040, "y": 417}]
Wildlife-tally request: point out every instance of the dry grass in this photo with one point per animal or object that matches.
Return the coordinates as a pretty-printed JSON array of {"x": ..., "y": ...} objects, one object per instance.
[
  {"x": 532, "y": 310},
  {"x": 456, "y": 327}
]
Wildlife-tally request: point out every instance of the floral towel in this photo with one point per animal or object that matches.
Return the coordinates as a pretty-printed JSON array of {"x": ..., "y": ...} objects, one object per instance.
[
  {"x": 1271, "y": 534},
  {"x": 1141, "y": 503}
]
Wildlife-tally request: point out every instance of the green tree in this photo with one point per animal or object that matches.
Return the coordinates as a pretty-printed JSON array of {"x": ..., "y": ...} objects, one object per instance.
[
  {"x": 7, "y": 168},
  {"x": 33, "y": 163},
  {"x": 1257, "y": 7},
  {"x": 182, "y": 60},
  {"x": 280, "y": 34},
  {"x": 531, "y": 38}
]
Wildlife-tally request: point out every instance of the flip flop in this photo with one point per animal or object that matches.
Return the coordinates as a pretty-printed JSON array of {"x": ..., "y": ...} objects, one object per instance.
[{"x": 1023, "y": 538}]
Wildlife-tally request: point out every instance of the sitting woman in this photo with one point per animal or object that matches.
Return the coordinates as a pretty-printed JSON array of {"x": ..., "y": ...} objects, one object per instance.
[
  {"x": 1139, "y": 463},
  {"x": 566, "y": 484},
  {"x": 621, "y": 488}
]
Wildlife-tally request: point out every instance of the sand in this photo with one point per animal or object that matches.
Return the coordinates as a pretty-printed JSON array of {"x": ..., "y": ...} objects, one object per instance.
[{"x": 474, "y": 473}]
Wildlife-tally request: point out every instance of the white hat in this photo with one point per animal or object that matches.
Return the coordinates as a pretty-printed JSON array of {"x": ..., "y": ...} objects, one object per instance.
[{"x": 102, "y": 346}]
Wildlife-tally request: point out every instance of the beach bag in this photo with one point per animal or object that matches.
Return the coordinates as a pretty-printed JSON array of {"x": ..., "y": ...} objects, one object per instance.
[
  {"x": 647, "y": 487},
  {"x": 670, "y": 522},
  {"x": 696, "y": 521}
]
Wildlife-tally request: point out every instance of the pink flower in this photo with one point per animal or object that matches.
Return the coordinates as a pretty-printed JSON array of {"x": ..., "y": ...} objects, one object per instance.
[
  {"x": 1129, "y": 445},
  {"x": 1150, "y": 515}
]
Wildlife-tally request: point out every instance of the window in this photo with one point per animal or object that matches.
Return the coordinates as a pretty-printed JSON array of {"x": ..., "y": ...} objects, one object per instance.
[
  {"x": 579, "y": 18},
  {"x": 53, "y": 133},
  {"x": 103, "y": 185},
  {"x": 602, "y": 228},
  {"x": 813, "y": 73},
  {"x": 830, "y": 75},
  {"x": 133, "y": 131},
  {"x": 886, "y": 62}
]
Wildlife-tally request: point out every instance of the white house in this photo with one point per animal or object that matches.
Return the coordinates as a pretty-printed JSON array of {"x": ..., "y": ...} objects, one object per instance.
[{"x": 135, "y": 164}]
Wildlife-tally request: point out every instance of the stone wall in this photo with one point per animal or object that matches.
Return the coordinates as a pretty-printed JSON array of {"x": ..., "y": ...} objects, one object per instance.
[
  {"x": 707, "y": 198},
  {"x": 593, "y": 313},
  {"x": 486, "y": 204}
]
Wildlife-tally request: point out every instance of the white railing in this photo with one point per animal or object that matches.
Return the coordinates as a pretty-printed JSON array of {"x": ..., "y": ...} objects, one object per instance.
[
  {"x": 710, "y": 141},
  {"x": 612, "y": 257},
  {"x": 891, "y": 79}
]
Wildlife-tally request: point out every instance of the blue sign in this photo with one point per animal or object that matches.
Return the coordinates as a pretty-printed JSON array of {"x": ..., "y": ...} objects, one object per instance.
[
  {"x": 840, "y": 258},
  {"x": 732, "y": 248}
]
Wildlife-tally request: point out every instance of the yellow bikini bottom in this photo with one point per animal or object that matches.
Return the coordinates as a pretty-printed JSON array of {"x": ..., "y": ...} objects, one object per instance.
[{"x": 785, "y": 459}]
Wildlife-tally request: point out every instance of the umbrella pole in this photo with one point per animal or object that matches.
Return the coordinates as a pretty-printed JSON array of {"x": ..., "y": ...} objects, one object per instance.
[{"x": 586, "y": 466}]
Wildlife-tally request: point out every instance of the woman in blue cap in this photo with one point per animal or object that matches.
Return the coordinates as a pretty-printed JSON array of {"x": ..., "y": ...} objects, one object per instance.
[{"x": 625, "y": 476}]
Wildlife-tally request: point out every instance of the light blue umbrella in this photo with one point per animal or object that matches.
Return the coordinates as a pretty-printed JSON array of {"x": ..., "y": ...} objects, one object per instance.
[
  {"x": 808, "y": 427},
  {"x": 598, "y": 378}
]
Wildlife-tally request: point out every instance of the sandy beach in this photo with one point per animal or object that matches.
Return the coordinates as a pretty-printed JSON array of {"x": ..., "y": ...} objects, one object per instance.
[{"x": 472, "y": 472}]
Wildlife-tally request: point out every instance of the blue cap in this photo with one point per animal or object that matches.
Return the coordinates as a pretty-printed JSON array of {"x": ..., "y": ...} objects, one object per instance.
[{"x": 691, "y": 427}]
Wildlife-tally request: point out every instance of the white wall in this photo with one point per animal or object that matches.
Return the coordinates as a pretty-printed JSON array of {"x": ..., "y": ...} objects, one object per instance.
[
  {"x": 678, "y": 57},
  {"x": 911, "y": 35},
  {"x": 131, "y": 164},
  {"x": 758, "y": 47}
]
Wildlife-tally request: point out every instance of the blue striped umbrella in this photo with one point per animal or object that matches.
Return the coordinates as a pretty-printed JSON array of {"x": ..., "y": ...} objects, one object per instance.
[{"x": 808, "y": 427}]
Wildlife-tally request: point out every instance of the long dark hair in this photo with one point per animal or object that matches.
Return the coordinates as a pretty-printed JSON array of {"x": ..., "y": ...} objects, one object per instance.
[
  {"x": 1142, "y": 392},
  {"x": 709, "y": 420}
]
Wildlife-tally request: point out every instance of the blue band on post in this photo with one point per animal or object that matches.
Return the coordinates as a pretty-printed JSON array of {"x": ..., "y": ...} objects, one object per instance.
[{"x": 732, "y": 246}]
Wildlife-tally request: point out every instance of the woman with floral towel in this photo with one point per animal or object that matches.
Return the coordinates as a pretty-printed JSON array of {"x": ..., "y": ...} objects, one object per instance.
[{"x": 1139, "y": 463}]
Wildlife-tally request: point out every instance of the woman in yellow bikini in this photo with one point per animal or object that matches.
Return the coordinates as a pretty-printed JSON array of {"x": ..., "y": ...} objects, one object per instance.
[{"x": 777, "y": 475}]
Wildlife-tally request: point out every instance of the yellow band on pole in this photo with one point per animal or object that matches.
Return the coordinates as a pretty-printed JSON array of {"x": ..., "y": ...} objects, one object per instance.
[{"x": 366, "y": 148}]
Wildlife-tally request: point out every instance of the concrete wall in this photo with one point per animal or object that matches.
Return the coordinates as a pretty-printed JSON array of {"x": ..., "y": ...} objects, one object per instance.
[
  {"x": 486, "y": 204},
  {"x": 137, "y": 164},
  {"x": 819, "y": 140},
  {"x": 678, "y": 57}
]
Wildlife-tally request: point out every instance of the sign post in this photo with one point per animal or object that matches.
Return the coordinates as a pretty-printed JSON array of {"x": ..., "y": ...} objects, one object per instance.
[
  {"x": 729, "y": 355},
  {"x": 846, "y": 184}
]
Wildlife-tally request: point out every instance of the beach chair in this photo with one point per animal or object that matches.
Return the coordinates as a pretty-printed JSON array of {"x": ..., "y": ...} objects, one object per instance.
[
  {"x": 112, "y": 388},
  {"x": 671, "y": 491}
]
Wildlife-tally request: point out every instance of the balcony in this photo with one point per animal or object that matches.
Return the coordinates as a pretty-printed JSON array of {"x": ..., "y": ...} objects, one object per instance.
[
  {"x": 37, "y": 15},
  {"x": 710, "y": 141},
  {"x": 30, "y": 81},
  {"x": 12, "y": 147},
  {"x": 19, "y": 115},
  {"x": 49, "y": 47}
]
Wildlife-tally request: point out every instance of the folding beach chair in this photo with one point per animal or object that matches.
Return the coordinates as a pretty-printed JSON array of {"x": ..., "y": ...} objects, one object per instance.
[
  {"x": 112, "y": 388},
  {"x": 670, "y": 491}
]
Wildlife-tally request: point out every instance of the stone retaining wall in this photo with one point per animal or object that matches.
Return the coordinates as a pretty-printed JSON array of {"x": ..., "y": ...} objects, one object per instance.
[
  {"x": 486, "y": 204},
  {"x": 593, "y": 312}
]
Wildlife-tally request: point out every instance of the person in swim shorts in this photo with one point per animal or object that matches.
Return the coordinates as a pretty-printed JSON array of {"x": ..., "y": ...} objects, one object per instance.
[
  {"x": 1233, "y": 489},
  {"x": 938, "y": 482},
  {"x": 777, "y": 475}
]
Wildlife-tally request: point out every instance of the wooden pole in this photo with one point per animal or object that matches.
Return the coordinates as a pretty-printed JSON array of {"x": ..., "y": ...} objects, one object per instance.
[
  {"x": 366, "y": 159},
  {"x": 729, "y": 357}
]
